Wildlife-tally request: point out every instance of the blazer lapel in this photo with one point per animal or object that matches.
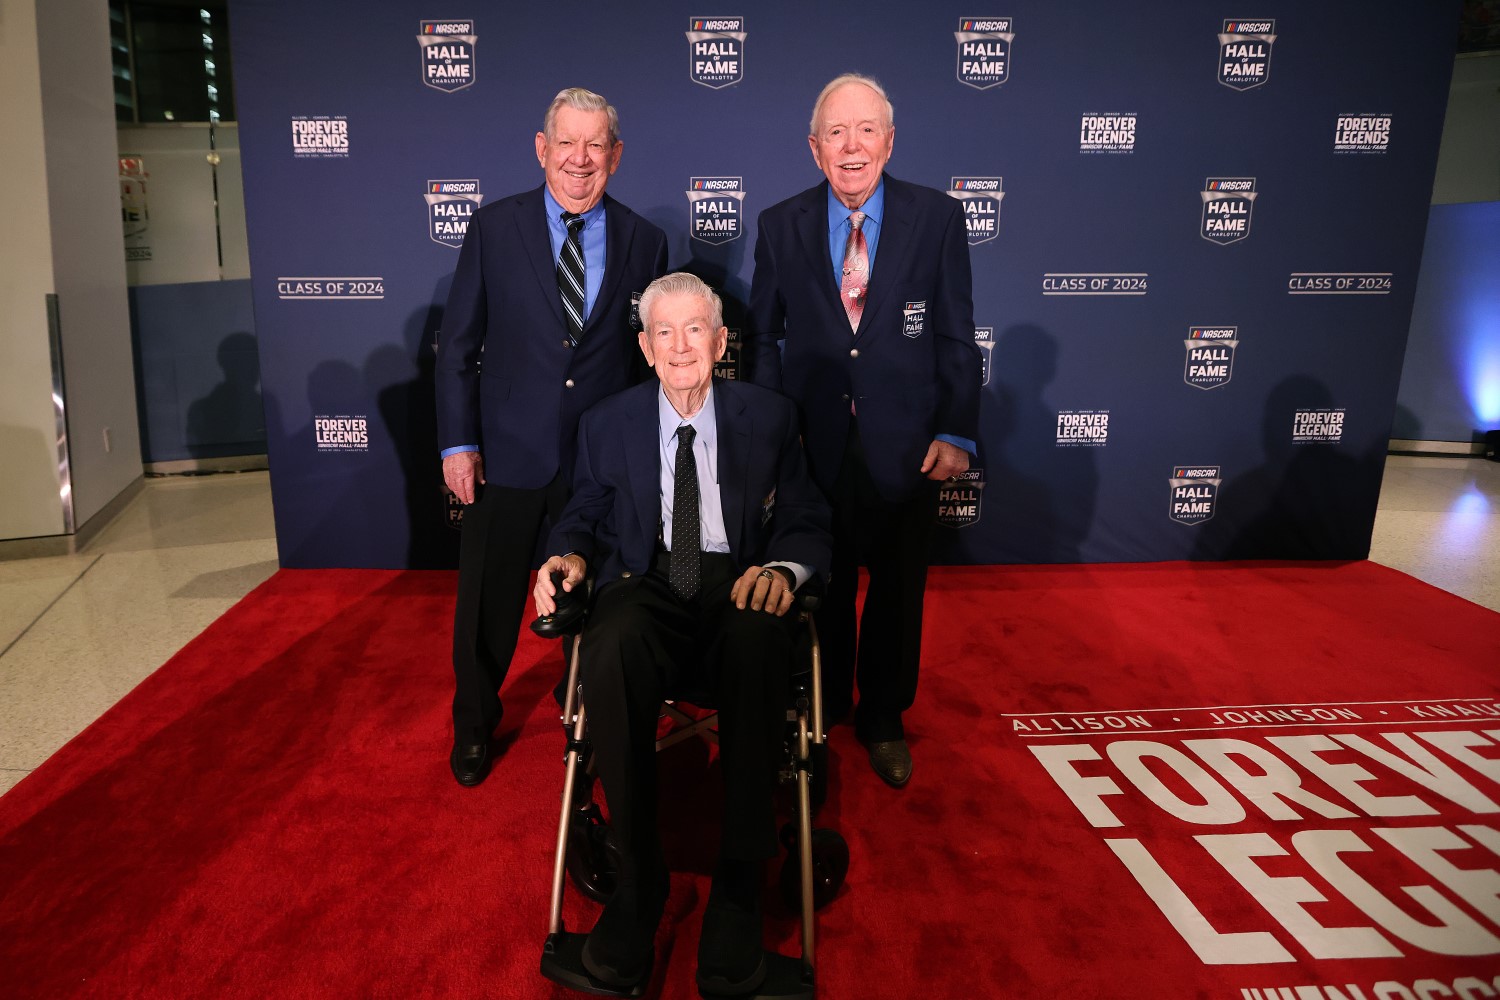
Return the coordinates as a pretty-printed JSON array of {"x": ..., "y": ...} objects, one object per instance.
[
  {"x": 619, "y": 229},
  {"x": 895, "y": 248},
  {"x": 732, "y": 420},
  {"x": 812, "y": 229},
  {"x": 643, "y": 455},
  {"x": 532, "y": 228}
]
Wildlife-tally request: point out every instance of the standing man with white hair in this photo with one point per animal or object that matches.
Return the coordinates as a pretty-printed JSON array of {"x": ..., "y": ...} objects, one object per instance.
[
  {"x": 536, "y": 331},
  {"x": 879, "y": 353}
]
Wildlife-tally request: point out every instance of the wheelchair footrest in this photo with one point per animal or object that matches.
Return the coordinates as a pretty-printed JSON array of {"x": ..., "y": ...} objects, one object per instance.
[
  {"x": 562, "y": 962},
  {"x": 785, "y": 980}
]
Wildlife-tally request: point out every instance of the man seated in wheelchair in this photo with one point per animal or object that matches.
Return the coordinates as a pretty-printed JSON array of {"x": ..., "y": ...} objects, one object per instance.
[{"x": 694, "y": 509}]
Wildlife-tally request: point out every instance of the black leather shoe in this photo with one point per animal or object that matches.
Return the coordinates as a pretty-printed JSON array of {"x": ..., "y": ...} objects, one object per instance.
[
  {"x": 731, "y": 961},
  {"x": 620, "y": 948},
  {"x": 470, "y": 763},
  {"x": 891, "y": 759}
]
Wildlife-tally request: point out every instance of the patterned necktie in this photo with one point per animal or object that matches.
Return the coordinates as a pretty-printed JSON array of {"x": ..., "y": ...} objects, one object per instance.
[
  {"x": 683, "y": 569},
  {"x": 856, "y": 271},
  {"x": 570, "y": 280}
]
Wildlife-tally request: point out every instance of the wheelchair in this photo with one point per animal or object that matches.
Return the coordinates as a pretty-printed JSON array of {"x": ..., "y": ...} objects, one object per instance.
[{"x": 817, "y": 861}]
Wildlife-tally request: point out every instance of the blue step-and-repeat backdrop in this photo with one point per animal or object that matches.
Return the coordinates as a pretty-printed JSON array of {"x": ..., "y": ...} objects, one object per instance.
[{"x": 1195, "y": 237}]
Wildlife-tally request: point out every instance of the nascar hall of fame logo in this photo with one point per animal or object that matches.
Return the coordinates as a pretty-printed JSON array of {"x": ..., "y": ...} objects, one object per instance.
[
  {"x": 1195, "y": 488},
  {"x": 1227, "y": 202},
  {"x": 1107, "y": 133},
  {"x": 449, "y": 206},
  {"x": 447, "y": 54},
  {"x": 716, "y": 51},
  {"x": 1210, "y": 355},
  {"x": 453, "y": 509},
  {"x": 981, "y": 197},
  {"x": 1082, "y": 428},
  {"x": 728, "y": 367},
  {"x": 984, "y": 336},
  {"x": 715, "y": 208},
  {"x": 914, "y": 318},
  {"x": 341, "y": 433},
  {"x": 984, "y": 50},
  {"x": 1362, "y": 134},
  {"x": 321, "y": 137},
  {"x": 960, "y": 501},
  {"x": 1245, "y": 53},
  {"x": 1322, "y": 426}
]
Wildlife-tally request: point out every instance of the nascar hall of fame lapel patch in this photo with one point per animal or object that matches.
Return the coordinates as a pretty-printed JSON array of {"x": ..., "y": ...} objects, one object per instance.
[
  {"x": 1227, "y": 203},
  {"x": 984, "y": 336},
  {"x": 714, "y": 208},
  {"x": 914, "y": 318},
  {"x": 1195, "y": 489},
  {"x": 981, "y": 197},
  {"x": 449, "y": 206},
  {"x": 960, "y": 501},
  {"x": 1210, "y": 355},
  {"x": 1245, "y": 53},
  {"x": 984, "y": 50},
  {"x": 716, "y": 51},
  {"x": 447, "y": 54}
]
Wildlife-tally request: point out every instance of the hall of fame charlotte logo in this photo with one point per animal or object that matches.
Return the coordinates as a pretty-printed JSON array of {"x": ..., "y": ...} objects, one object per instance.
[
  {"x": 961, "y": 501},
  {"x": 1245, "y": 53},
  {"x": 715, "y": 208},
  {"x": 1227, "y": 204},
  {"x": 981, "y": 197},
  {"x": 447, "y": 54},
  {"x": 716, "y": 51},
  {"x": 984, "y": 50},
  {"x": 450, "y": 204},
  {"x": 1210, "y": 355},
  {"x": 728, "y": 367},
  {"x": 984, "y": 336},
  {"x": 1195, "y": 490}
]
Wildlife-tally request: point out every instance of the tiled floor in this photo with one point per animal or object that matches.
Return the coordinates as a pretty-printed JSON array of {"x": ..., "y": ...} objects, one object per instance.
[{"x": 77, "y": 632}]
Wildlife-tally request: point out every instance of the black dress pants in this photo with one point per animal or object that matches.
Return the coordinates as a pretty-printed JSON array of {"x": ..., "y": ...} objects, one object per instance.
[
  {"x": 495, "y": 560},
  {"x": 643, "y": 644},
  {"x": 891, "y": 541}
]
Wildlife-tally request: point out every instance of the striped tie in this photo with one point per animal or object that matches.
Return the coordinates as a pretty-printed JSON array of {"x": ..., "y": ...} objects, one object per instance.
[{"x": 570, "y": 280}]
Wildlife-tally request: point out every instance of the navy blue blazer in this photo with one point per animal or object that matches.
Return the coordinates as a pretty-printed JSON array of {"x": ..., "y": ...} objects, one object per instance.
[
  {"x": 913, "y": 370},
  {"x": 772, "y": 509},
  {"x": 507, "y": 377}
]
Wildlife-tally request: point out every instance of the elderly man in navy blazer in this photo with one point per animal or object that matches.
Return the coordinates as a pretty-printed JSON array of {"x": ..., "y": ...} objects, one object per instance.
[
  {"x": 866, "y": 280},
  {"x": 693, "y": 505},
  {"x": 536, "y": 331}
]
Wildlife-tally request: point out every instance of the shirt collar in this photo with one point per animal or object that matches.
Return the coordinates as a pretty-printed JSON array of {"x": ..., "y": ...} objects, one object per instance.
[
  {"x": 874, "y": 208},
  {"x": 555, "y": 211},
  {"x": 703, "y": 421}
]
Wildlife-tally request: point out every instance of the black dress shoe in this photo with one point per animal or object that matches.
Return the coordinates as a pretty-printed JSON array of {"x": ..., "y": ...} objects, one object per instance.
[
  {"x": 620, "y": 948},
  {"x": 731, "y": 960},
  {"x": 891, "y": 759},
  {"x": 470, "y": 762}
]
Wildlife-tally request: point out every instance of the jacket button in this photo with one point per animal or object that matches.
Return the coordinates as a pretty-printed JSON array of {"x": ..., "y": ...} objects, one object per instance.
[
  {"x": 567, "y": 343},
  {"x": 625, "y": 575},
  {"x": 854, "y": 352},
  {"x": 569, "y": 383},
  {"x": 845, "y": 397}
]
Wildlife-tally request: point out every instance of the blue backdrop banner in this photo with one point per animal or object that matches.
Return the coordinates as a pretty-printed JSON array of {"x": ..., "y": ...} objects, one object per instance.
[{"x": 1195, "y": 239}]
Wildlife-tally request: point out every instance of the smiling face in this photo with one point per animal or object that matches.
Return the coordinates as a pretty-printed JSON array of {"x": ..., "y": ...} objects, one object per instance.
[
  {"x": 852, "y": 141},
  {"x": 682, "y": 344},
  {"x": 578, "y": 157}
]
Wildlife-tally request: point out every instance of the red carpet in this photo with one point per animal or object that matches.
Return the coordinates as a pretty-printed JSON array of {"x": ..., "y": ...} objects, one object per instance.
[{"x": 1218, "y": 781}]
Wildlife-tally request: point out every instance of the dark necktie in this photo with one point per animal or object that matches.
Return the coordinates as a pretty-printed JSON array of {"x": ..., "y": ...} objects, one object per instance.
[
  {"x": 570, "y": 279},
  {"x": 683, "y": 568}
]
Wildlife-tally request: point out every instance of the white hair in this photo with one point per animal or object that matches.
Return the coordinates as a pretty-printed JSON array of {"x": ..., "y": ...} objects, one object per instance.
[
  {"x": 681, "y": 283},
  {"x": 581, "y": 100},
  {"x": 839, "y": 81}
]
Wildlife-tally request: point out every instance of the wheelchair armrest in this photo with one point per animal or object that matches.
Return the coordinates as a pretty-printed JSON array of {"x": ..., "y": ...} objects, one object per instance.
[
  {"x": 572, "y": 608},
  {"x": 810, "y": 594}
]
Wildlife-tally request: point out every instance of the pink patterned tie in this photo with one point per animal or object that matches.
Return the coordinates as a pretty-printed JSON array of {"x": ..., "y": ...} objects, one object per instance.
[{"x": 856, "y": 271}]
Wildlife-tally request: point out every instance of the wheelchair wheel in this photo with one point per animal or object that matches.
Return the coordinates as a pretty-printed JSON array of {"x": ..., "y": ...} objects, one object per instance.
[
  {"x": 830, "y": 858},
  {"x": 593, "y": 860}
]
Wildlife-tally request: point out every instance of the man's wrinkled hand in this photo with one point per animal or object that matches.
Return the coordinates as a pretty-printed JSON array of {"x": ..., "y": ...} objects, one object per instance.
[
  {"x": 763, "y": 590},
  {"x": 463, "y": 471},
  {"x": 944, "y": 461},
  {"x": 544, "y": 594}
]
